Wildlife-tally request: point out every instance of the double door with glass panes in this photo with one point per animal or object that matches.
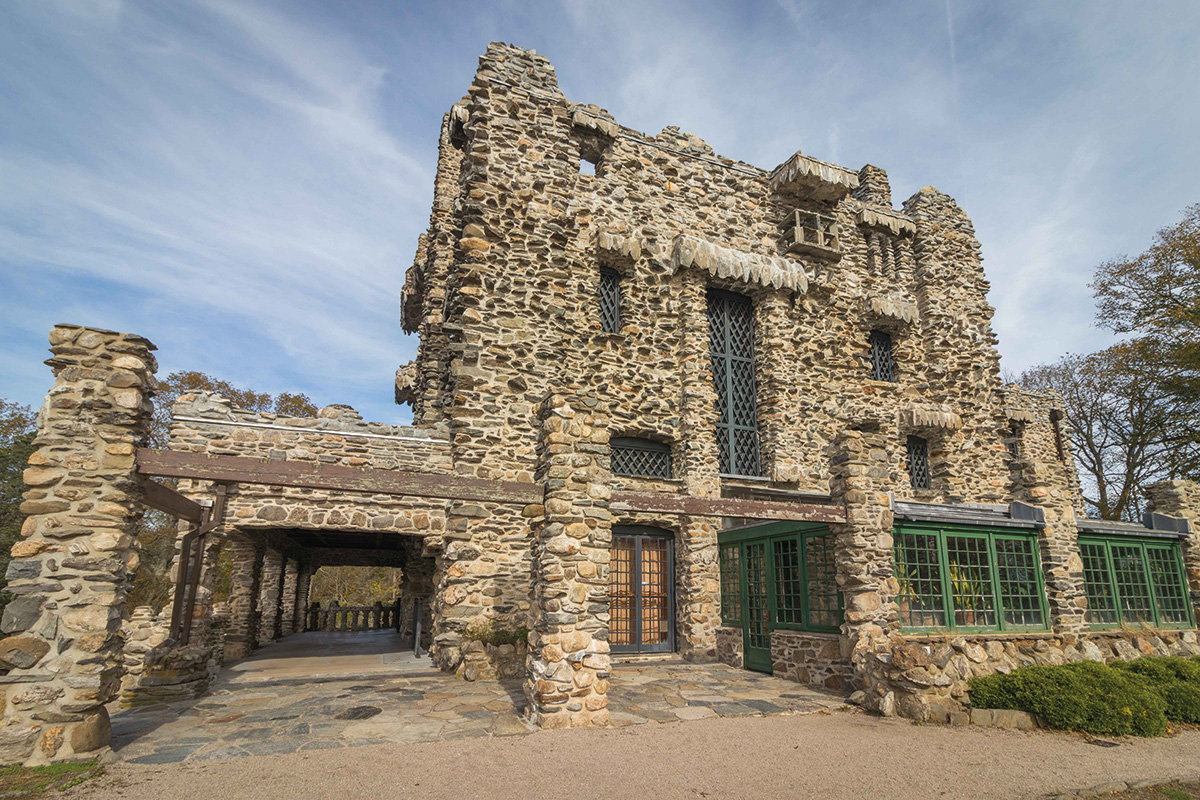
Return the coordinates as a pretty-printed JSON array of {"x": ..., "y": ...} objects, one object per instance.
[
  {"x": 778, "y": 576},
  {"x": 641, "y": 591}
]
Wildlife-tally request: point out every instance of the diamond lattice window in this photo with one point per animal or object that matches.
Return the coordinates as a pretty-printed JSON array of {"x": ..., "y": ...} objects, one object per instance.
[
  {"x": 918, "y": 463},
  {"x": 731, "y": 346},
  {"x": 610, "y": 300},
  {"x": 883, "y": 363},
  {"x": 643, "y": 458}
]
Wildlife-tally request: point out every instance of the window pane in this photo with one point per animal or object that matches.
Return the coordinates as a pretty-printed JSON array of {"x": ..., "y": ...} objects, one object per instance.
[
  {"x": 620, "y": 591},
  {"x": 920, "y": 576},
  {"x": 824, "y": 606},
  {"x": 641, "y": 457},
  {"x": 787, "y": 581},
  {"x": 731, "y": 348},
  {"x": 1169, "y": 585},
  {"x": 1130, "y": 572},
  {"x": 1102, "y": 606},
  {"x": 1016, "y": 571},
  {"x": 883, "y": 364},
  {"x": 970, "y": 582},
  {"x": 731, "y": 583},
  {"x": 918, "y": 462},
  {"x": 610, "y": 301}
]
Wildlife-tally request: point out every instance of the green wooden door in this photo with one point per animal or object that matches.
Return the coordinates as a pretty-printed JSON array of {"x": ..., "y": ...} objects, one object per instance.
[{"x": 757, "y": 630}]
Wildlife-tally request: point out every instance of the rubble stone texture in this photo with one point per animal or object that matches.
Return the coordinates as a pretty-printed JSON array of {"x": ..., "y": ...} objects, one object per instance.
[
  {"x": 516, "y": 379},
  {"x": 75, "y": 562}
]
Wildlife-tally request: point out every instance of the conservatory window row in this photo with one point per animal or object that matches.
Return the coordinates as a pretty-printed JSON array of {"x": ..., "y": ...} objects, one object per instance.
[
  {"x": 787, "y": 581},
  {"x": 977, "y": 579}
]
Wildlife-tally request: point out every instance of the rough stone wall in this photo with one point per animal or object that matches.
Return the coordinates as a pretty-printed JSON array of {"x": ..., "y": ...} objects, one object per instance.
[
  {"x": 505, "y": 310},
  {"x": 930, "y": 674},
  {"x": 915, "y": 273},
  {"x": 817, "y": 659},
  {"x": 72, "y": 568},
  {"x": 731, "y": 646}
]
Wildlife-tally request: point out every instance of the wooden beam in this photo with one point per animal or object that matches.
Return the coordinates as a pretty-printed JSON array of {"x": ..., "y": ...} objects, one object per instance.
[
  {"x": 724, "y": 507},
  {"x": 171, "y": 502},
  {"x": 307, "y": 475}
]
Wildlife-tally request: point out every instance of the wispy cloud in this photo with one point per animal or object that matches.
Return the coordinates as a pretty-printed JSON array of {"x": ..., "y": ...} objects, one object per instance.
[{"x": 244, "y": 180}]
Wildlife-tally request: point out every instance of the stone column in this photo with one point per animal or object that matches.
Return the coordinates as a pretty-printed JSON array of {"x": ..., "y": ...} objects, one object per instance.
[
  {"x": 247, "y": 555},
  {"x": 859, "y": 481},
  {"x": 1182, "y": 499},
  {"x": 1046, "y": 484},
  {"x": 270, "y": 595},
  {"x": 698, "y": 590},
  {"x": 291, "y": 575},
  {"x": 303, "y": 583},
  {"x": 75, "y": 561},
  {"x": 568, "y": 667}
]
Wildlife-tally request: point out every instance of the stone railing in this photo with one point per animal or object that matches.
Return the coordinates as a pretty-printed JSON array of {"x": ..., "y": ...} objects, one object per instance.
[{"x": 352, "y": 618}]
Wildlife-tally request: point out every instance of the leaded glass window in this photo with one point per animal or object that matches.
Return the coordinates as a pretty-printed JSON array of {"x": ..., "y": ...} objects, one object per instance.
[
  {"x": 824, "y": 599},
  {"x": 731, "y": 347},
  {"x": 789, "y": 586},
  {"x": 640, "y": 457},
  {"x": 883, "y": 363},
  {"x": 918, "y": 462},
  {"x": 968, "y": 578},
  {"x": 610, "y": 300},
  {"x": 731, "y": 584},
  {"x": 1135, "y": 582}
]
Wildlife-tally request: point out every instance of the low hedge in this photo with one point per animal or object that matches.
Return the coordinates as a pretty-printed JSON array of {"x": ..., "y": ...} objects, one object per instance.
[
  {"x": 1175, "y": 679},
  {"x": 1084, "y": 696}
]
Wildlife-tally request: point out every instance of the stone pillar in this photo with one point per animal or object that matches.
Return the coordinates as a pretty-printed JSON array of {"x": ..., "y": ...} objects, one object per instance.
[
  {"x": 287, "y": 620},
  {"x": 1046, "y": 484},
  {"x": 75, "y": 561},
  {"x": 874, "y": 187},
  {"x": 566, "y": 681},
  {"x": 1182, "y": 499},
  {"x": 270, "y": 595},
  {"x": 698, "y": 590},
  {"x": 303, "y": 583},
  {"x": 859, "y": 481},
  {"x": 247, "y": 555}
]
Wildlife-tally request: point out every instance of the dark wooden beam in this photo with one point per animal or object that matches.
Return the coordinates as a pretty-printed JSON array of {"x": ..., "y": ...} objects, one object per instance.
[
  {"x": 237, "y": 469},
  {"x": 725, "y": 507},
  {"x": 171, "y": 502}
]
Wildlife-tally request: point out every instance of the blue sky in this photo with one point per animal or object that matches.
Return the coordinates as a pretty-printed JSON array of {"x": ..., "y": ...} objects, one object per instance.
[{"x": 244, "y": 182}]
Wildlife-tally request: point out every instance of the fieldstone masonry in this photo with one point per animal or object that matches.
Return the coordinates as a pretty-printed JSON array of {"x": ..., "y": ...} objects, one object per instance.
[
  {"x": 516, "y": 380},
  {"x": 73, "y": 566}
]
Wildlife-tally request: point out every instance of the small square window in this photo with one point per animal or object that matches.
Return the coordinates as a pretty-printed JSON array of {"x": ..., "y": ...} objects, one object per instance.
[
  {"x": 883, "y": 363},
  {"x": 644, "y": 458},
  {"x": 918, "y": 463},
  {"x": 610, "y": 300}
]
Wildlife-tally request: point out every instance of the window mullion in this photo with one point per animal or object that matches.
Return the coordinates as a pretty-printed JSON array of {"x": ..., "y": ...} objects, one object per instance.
[
  {"x": 1150, "y": 587},
  {"x": 1118, "y": 601},
  {"x": 805, "y": 605},
  {"x": 944, "y": 569},
  {"x": 994, "y": 572}
]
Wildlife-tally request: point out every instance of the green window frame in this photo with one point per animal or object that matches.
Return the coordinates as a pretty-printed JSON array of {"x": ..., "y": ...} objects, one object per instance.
[
  {"x": 1133, "y": 581},
  {"x": 802, "y": 591},
  {"x": 969, "y": 578}
]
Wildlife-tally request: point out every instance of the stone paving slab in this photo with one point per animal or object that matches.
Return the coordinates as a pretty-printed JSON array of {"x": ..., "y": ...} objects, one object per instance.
[{"x": 287, "y": 716}]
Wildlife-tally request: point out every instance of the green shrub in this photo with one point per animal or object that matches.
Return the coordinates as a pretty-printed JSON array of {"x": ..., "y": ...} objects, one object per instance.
[
  {"x": 1085, "y": 696},
  {"x": 1176, "y": 680}
]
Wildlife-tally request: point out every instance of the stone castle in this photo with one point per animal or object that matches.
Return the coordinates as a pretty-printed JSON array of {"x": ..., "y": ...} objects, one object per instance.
[{"x": 663, "y": 402}]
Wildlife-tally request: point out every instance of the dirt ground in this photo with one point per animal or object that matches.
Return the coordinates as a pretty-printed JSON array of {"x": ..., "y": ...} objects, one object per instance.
[{"x": 823, "y": 755}]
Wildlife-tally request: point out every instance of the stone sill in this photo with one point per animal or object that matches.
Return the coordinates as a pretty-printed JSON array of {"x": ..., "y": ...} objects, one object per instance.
[
  {"x": 1004, "y": 636},
  {"x": 805, "y": 634}
]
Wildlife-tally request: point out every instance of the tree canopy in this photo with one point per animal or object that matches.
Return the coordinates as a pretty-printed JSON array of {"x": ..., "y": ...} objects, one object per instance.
[{"x": 1155, "y": 296}]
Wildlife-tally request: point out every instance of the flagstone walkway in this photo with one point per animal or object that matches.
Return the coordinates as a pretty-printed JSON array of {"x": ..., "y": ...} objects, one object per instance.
[{"x": 241, "y": 718}]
